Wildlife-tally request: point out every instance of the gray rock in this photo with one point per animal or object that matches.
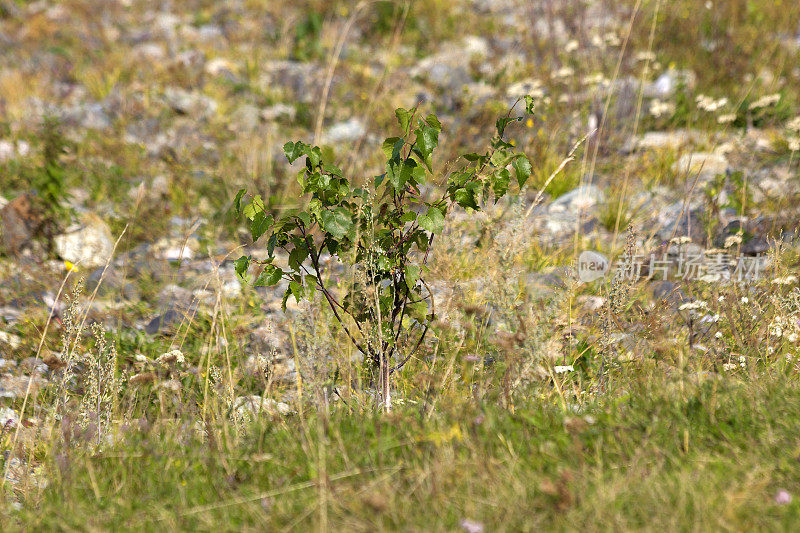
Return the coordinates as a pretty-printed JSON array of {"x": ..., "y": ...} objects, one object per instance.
[
  {"x": 10, "y": 340},
  {"x": 301, "y": 80},
  {"x": 90, "y": 116},
  {"x": 34, "y": 365},
  {"x": 669, "y": 292},
  {"x": 581, "y": 199},
  {"x": 19, "y": 386},
  {"x": 165, "y": 324},
  {"x": 245, "y": 119},
  {"x": 266, "y": 341},
  {"x": 8, "y": 418},
  {"x": 543, "y": 285},
  {"x": 348, "y": 131},
  {"x": 250, "y": 406},
  {"x": 278, "y": 111},
  {"x": 672, "y": 140},
  {"x": 149, "y": 51},
  {"x": 190, "y": 103},
  {"x": 112, "y": 284},
  {"x": 89, "y": 245},
  {"x": 7, "y": 150},
  {"x": 706, "y": 165},
  {"x": 450, "y": 68}
]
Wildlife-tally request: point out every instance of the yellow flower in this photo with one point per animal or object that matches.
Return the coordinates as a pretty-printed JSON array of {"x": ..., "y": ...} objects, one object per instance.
[
  {"x": 69, "y": 267},
  {"x": 529, "y": 122}
]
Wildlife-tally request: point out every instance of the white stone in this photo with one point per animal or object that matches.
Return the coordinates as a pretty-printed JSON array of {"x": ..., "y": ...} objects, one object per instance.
[
  {"x": 89, "y": 245},
  {"x": 705, "y": 164},
  {"x": 347, "y": 131}
]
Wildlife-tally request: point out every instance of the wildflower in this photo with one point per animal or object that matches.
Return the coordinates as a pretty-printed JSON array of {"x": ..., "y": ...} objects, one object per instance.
[
  {"x": 785, "y": 280},
  {"x": 659, "y": 108},
  {"x": 721, "y": 298},
  {"x": 733, "y": 240},
  {"x": 706, "y": 103},
  {"x": 561, "y": 369},
  {"x": 726, "y": 118},
  {"x": 693, "y": 306},
  {"x": 471, "y": 526},
  {"x": 611, "y": 39},
  {"x": 718, "y": 335},
  {"x": 681, "y": 240},
  {"x": 792, "y": 337},
  {"x": 765, "y": 101},
  {"x": 171, "y": 385},
  {"x": 783, "y": 497},
  {"x": 565, "y": 72},
  {"x": 174, "y": 356},
  {"x": 645, "y": 56},
  {"x": 794, "y": 124},
  {"x": 745, "y": 300},
  {"x": 794, "y": 144},
  {"x": 571, "y": 46},
  {"x": 728, "y": 366},
  {"x": 742, "y": 361},
  {"x": 770, "y": 350},
  {"x": 594, "y": 79}
]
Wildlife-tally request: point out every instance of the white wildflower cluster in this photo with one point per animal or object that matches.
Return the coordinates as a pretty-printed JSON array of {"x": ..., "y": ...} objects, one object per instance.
[
  {"x": 729, "y": 366},
  {"x": 765, "y": 101},
  {"x": 531, "y": 87},
  {"x": 680, "y": 240},
  {"x": 794, "y": 124},
  {"x": 742, "y": 361},
  {"x": 706, "y": 103},
  {"x": 696, "y": 305},
  {"x": 595, "y": 79},
  {"x": 785, "y": 280},
  {"x": 564, "y": 73},
  {"x": 794, "y": 144},
  {"x": 563, "y": 369},
  {"x": 611, "y": 39},
  {"x": 571, "y": 46},
  {"x": 659, "y": 108},
  {"x": 171, "y": 357},
  {"x": 785, "y": 327},
  {"x": 726, "y": 118},
  {"x": 733, "y": 240}
]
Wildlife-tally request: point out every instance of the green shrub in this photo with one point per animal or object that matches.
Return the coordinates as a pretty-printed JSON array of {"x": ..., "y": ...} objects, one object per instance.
[{"x": 383, "y": 228}]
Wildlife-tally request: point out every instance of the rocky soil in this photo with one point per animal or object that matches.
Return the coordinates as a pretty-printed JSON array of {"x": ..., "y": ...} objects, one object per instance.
[{"x": 165, "y": 109}]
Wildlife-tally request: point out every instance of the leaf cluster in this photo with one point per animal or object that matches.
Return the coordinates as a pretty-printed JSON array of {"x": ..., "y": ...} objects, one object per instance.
[{"x": 382, "y": 227}]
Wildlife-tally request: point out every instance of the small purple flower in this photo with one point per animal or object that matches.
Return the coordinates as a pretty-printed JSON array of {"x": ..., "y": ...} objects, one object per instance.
[
  {"x": 782, "y": 497},
  {"x": 471, "y": 526}
]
